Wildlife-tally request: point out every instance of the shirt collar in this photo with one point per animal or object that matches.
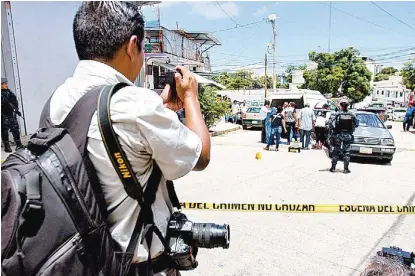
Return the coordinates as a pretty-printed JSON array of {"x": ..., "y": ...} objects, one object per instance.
[{"x": 100, "y": 70}]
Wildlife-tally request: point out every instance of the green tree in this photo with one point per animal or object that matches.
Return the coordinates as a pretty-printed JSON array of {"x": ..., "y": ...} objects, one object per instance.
[
  {"x": 408, "y": 74},
  {"x": 385, "y": 73},
  {"x": 289, "y": 71},
  {"x": 342, "y": 69},
  {"x": 241, "y": 79},
  {"x": 211, "y": 106},
  {"x": 259, "y": 82},
  {"x": 381, "y": 77},
  {"x": 388, "y": 71}
]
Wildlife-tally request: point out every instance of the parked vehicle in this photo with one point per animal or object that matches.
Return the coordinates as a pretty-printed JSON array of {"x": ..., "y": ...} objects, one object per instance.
[
  {"x": 371, "y": 138},
  {"x": 381, "y": 112},
  {"x": 252, "y": 118},
  {"x": 398, "y": 114}
]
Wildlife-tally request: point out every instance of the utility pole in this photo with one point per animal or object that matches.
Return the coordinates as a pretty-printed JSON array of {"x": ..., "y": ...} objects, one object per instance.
[
  {"x": 266, "y": 83},
  {"x": 329, "y": 27},
  {"x": 272, "y": 18}
]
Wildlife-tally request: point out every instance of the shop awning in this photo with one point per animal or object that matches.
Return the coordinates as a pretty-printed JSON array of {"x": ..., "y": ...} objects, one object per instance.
[{"x": 198, "y": 77}]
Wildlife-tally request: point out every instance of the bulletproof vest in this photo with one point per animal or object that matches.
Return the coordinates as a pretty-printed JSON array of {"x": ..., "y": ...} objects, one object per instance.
[{"x": 344, "y": 122}]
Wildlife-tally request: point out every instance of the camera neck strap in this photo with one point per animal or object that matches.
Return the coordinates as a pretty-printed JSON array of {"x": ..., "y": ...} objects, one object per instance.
[{"x": 127, "y": 176}]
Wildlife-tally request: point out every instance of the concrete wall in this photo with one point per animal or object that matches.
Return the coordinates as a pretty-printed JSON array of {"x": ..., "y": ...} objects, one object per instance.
[{"x": 46, "y": 52}]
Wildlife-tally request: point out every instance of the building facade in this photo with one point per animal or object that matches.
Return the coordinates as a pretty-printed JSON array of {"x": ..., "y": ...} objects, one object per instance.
[{"x": 391, "y": 91}]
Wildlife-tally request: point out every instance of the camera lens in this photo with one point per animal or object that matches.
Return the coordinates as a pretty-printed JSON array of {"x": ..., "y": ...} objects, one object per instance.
[{"x": 210, "y": 235}]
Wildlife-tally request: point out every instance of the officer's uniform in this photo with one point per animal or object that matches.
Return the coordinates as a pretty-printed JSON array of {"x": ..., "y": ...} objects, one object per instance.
[
  {"x": 9, "y": 119},
  {"x": 342, "y": 125}
]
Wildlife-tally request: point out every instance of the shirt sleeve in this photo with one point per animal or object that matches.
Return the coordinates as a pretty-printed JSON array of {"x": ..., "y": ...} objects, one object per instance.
[{"x": 174, "y": 147}]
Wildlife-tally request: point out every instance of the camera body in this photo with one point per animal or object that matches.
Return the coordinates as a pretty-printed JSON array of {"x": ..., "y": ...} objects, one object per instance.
[{"x": 184, "y": 238}]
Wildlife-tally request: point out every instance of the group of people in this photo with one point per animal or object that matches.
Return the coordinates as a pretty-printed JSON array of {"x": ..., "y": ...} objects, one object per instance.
[
  {"x": 340, "y": 126},
  {"x": 235, "y": 110},
  {"x": 284, "y": 119}
]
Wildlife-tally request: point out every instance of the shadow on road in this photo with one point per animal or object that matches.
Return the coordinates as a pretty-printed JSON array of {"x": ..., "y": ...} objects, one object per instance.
[{"x": 371, "y": 161}]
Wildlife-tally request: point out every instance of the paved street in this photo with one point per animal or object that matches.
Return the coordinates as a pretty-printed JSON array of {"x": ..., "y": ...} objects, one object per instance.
[{"x": 299, "y": 244}]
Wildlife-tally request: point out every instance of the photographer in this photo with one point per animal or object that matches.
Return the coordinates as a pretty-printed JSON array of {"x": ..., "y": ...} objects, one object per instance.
[{"x": 109, "y": 43}]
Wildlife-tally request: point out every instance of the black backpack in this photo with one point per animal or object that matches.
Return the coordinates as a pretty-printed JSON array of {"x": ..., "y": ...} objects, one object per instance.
[{"x": 53, "y": 208}]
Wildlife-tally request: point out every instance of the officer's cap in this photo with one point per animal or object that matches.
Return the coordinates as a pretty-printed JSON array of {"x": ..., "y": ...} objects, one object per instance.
[{"x": 3, "y": 80}]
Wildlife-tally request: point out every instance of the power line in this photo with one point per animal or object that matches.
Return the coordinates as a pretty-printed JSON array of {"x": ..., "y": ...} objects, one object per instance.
[
  {"x": 391, "y": 15},
  {"x": 239, "y": 26},
  {"x": 354, "y": 16},
  {"x": 226, "y": 13}
]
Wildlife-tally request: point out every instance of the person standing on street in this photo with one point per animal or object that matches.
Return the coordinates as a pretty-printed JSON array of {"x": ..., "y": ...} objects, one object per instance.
[
  {"x": 235, "y": 111},
  {"x": 320, "y": 129},
  {"x": 342, "y": 126},
  {"x": 409, "y": 116},
  {"x": 277, "y": 126},
  {"x": 244, "y": 107},
  {"x": 307, "y": 119},
  {"x": 9, "y": 109},
  {"x": 263, "y": 115},
  {"x": 290, "y": 117}
]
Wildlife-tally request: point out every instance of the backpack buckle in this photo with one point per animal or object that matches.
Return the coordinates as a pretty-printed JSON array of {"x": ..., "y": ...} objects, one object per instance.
[{"x": 32, "y": 207}]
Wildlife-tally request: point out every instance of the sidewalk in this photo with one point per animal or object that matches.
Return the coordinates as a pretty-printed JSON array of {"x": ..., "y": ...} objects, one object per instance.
[{"x": 223, "y": 128}]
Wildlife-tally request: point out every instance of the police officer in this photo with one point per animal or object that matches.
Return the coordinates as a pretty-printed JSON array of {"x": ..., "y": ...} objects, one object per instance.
[
  {"x": 9, "y": 109},
  {"x": 342, "y": 125}
]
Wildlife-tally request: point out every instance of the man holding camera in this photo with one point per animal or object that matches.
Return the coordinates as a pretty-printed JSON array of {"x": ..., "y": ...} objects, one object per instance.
[{"x": 109, "y": 42}]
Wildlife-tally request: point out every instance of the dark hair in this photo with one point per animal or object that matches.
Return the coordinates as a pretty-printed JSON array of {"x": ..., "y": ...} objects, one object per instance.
[
  {"x": 101, "y": 28},
  {"x": 267, "y": 102},
  {"x": 279, "y": 109}
]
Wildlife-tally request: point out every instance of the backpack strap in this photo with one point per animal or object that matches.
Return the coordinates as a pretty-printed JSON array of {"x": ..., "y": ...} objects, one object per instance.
[
  {"x": 127, "y": 176},
  {"x": 77, "y": 124}
]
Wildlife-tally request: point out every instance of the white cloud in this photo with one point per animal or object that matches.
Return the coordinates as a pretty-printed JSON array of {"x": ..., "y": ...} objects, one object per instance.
[
  {"x": 261, "y": 11},
  {"x": 211, "y": 10}
]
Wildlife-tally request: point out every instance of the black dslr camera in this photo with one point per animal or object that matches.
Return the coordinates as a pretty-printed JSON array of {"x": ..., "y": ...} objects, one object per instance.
[{"x": 185, "y": 237}]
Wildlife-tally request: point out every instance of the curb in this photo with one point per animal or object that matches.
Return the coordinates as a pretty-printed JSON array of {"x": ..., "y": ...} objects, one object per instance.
[{"x": 222, "y": 132}]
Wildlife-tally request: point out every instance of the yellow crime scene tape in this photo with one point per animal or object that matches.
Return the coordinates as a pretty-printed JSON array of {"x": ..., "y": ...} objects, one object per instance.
[{"x": 301, "y": 208}]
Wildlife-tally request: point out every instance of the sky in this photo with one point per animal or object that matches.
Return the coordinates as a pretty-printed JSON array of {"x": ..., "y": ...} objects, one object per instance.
[{"x": 301, "y": 27}]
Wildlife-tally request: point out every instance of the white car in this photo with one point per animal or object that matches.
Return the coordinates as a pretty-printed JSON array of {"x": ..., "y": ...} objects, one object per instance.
[{"x": 398, "y": 114}]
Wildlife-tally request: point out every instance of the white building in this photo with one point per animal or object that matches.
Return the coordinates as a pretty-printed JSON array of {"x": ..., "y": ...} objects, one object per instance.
[
  {"x": 390, "y": 91},
  {"x": 373, "y": 68}
]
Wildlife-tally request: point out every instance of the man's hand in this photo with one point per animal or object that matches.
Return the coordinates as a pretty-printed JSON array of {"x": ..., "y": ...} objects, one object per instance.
[
  {"x": 166, "y": 96},
  {"x": 186, "y": 86},
  {"x": 187, "y": 93}
]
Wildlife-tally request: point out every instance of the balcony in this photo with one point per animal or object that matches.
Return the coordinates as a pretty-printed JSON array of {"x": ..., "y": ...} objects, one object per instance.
[{"x": 178, "y": 43}]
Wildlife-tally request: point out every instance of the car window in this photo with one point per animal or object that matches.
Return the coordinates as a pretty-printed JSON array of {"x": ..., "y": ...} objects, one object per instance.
[
  {"x": 400, "y": 110},
  {"x": 253, "y": 110},
  {"x": 369, "y": 120}
]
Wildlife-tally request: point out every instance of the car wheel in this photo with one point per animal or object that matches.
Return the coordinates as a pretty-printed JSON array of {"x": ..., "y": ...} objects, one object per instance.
[{"x": 244, "y": 127}]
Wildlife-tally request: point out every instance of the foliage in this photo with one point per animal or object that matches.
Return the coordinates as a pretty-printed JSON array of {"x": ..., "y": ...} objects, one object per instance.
[
  {"x": 341, "y": 73},
  {"x": 388, "y": 71},
  {"x": 381, "y": 77},
  {"x": 211, "y": 107},
  {"x": 385, "y": 73},
  {"x": 408, "y": 74},
  {"x": 289, "y": 71},
  {"x": 243, "y": 79}
]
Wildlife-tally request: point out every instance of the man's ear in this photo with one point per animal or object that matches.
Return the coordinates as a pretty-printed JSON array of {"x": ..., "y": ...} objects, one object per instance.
[{"x": 132, "y": 47}]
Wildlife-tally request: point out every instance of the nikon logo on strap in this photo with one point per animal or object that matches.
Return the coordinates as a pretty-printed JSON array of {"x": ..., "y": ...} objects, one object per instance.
[{"x": 122, "y": 166}]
